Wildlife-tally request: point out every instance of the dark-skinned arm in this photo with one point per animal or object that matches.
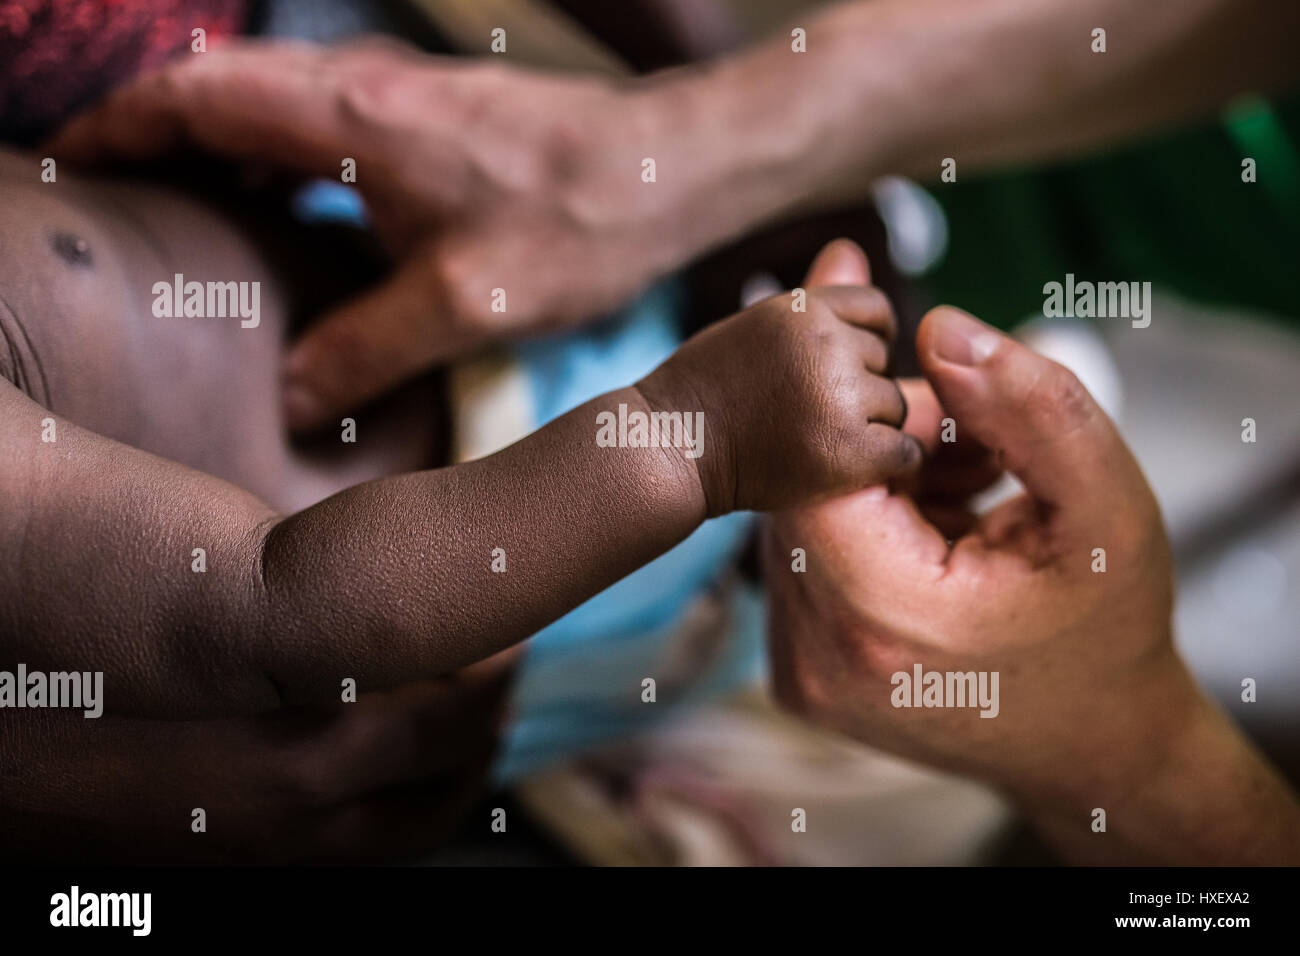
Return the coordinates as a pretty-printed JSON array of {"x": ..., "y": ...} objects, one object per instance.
[{"x": 392, "y": 580}]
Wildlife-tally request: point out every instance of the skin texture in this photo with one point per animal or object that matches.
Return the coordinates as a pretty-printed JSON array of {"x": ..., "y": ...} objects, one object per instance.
[
  {"x": 1096, "y": 708},
  {"x": 391, "y": 580},
  {"x": 222, "y": 689},
  {"x": 388, "y": 776},
  {"x": 826, "y": 419},
  {"x": 80, "y": 259},
  {"x": 484, "y": 176}
]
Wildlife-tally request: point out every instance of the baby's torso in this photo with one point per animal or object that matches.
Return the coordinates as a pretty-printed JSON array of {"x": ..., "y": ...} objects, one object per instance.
[{"x": 152, "y": 319}]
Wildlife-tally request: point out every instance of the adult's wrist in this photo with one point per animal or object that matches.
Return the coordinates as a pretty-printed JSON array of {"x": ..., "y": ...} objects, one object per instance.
[
  {"x": 731, "y": 159},
  {"x": 1177, "y": 782}
]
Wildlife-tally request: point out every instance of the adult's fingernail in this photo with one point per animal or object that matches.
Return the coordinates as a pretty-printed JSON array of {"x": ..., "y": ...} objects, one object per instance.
[{"x": 962, "y": 339}]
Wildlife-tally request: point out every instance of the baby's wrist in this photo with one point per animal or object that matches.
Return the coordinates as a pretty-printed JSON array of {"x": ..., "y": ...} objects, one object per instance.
[{"x": 679, "y": 426}]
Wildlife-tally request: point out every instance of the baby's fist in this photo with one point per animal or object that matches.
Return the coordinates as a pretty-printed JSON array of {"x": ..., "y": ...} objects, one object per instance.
[{"x": 794, "y": 401}]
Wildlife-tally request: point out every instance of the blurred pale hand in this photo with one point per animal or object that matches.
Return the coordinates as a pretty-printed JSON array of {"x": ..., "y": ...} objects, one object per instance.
[{"x": 478, "y": 176}]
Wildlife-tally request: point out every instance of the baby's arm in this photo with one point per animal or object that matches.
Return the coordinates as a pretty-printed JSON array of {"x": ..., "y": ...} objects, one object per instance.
[
  {"x": 385, "y": 582},
  {"x": 393, "y": 580}
]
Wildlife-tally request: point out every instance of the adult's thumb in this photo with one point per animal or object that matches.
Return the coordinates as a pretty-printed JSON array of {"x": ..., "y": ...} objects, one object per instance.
[{"x": 1046, "y": 427}]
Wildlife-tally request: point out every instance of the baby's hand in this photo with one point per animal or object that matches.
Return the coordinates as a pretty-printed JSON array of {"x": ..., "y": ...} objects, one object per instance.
[{"x": 795, "y": 405}]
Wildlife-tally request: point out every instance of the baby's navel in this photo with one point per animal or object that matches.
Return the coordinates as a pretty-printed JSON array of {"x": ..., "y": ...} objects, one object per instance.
[{"x": 73, "y": 250}]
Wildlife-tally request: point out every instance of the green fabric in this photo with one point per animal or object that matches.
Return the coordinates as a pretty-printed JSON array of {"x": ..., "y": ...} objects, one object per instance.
[{"x": 1173, "y": 211}]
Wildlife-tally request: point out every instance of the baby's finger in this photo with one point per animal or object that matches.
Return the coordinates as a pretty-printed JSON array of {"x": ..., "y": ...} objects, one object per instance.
[
  {"x": 840, "y": 262},
  {"x": 883, "y": 402},
  {"x": 884, "y": 453},
  {"x": 871, "y": 347},
  {"x": 865, "y": 307}
]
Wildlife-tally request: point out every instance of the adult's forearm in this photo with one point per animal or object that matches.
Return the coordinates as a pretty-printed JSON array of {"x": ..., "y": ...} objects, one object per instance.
[
  {"x": 896, "y": 86},
  {"x": 1179, "y": 784}
]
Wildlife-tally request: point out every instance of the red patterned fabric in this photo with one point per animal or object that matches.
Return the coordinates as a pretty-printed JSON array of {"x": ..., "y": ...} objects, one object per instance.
[{"x": 57, "y": 56}]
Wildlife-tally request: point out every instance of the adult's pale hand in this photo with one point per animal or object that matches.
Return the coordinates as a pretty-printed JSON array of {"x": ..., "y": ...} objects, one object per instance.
[
  {"x": 479, "y": 176},
  {"x": 1095, "y": 709}
]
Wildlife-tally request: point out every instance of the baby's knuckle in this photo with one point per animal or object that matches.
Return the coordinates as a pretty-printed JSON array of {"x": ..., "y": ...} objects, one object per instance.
[
  {"x": 881, "y": 397},
  {"x": 820, "y": 310}
]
